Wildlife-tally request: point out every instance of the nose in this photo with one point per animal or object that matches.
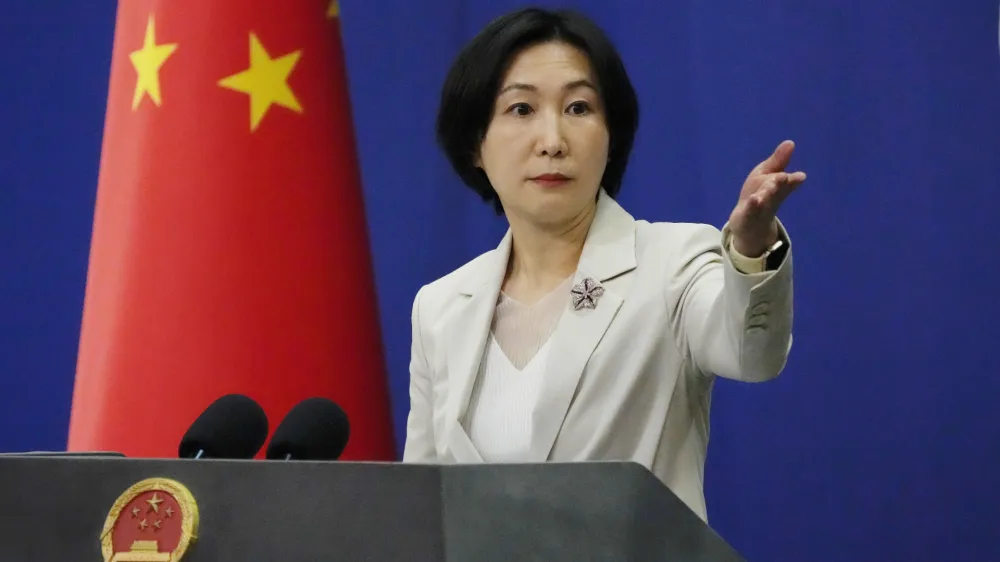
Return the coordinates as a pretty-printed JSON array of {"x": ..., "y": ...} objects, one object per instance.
[{"x": 551, "y": 137}]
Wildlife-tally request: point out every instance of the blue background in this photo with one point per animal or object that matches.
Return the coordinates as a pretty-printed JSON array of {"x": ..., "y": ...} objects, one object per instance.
[{"x": 880, "y": 440}]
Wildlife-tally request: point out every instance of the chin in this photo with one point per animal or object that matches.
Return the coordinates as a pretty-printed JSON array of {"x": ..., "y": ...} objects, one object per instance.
[{"x": 560, "y": 208}]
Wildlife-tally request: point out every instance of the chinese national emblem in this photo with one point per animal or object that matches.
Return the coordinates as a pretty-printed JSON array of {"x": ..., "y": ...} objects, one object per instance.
[{"x": 154, "y": 520}]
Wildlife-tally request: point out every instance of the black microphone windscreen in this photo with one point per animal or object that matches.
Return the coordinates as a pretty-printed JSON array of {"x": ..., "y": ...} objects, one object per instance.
[
  {"x": 232, "y": 427},
  {"x": 315, "y": 429}
]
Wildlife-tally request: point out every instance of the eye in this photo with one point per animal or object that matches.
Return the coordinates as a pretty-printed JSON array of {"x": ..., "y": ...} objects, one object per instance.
[
  {"x": 579, "y": 108},
  {"x": 519, "y": 109}
]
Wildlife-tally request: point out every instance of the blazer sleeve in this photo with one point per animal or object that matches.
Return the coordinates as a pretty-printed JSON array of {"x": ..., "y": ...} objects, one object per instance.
[
  {"x": 419, "y": 445},
  {"x": 728, "y": 323}
]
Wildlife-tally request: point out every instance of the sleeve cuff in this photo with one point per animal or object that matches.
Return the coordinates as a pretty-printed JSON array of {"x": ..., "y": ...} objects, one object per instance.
[{"x": 742, "y": 263}]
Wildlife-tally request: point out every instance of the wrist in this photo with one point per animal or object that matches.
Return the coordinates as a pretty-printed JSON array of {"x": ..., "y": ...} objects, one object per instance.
[
  {"x": 770, "y": 258},
  {"x": 751, "y": 249},
  {"x": 754, "y": 246}
]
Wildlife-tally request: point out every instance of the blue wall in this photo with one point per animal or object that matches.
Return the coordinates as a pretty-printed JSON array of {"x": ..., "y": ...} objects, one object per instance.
[{"x": 878, "y": 441}]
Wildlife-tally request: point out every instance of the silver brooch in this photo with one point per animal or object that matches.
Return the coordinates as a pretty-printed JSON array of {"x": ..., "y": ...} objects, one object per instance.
[{"x": 586, "y": 293}]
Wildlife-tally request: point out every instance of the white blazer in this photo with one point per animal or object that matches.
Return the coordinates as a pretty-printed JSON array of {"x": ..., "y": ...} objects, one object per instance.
[{"x": 628, "y": 380}]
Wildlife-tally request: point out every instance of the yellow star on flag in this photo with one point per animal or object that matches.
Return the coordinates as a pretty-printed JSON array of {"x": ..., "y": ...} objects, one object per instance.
[
  {"x": 333, "y": 10},
  {"x": 266, "y": 81},
  {"x": 147, "y": 62}
]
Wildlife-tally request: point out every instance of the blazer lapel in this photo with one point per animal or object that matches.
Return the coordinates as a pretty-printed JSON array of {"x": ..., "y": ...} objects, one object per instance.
[
  {"x": 466, "y": 337},
  {"x": 609, "y": 251}
]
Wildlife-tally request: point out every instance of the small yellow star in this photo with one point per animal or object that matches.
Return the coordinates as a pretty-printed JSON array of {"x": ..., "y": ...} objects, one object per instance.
[
  {"x": 333, "y": 10},
  {"x": 266, "y": 81},
  {"x": 143, "y": 525},
  {"x": 135, "y": 512},
  {"x": 154, "y": 502},
  {"x": 147, "y": 62},
  {"x": 170, "y": 511}
]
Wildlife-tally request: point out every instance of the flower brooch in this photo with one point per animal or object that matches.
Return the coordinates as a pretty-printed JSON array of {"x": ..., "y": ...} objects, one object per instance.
[{"x": 586, "y": 293}]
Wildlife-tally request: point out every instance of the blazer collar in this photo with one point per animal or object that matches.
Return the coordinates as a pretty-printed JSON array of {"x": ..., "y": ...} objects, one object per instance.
[{"x": 609, "y": 251}]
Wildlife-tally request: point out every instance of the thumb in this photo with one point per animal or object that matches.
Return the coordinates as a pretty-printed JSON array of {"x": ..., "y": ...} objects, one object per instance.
[{"x": 778, "y": 159}]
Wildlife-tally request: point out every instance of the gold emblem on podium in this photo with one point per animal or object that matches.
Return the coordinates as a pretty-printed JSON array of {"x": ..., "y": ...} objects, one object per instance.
[{"x": 155, "y": 520}]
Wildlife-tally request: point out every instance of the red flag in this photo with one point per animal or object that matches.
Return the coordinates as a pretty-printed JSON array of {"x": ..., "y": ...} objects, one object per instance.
[{"x": 229, "y": 250}]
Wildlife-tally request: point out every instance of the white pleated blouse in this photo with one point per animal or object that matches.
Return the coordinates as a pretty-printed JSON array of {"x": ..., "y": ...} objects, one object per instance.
[{"x": 498, "y": 419}]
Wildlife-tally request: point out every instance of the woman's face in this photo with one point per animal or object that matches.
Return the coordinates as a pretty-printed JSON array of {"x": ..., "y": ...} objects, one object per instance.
[{"x": 547, "y": 143}]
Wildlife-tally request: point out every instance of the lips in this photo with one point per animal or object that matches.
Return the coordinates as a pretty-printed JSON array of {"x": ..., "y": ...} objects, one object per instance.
[
  {"x": 550, "y": 180},
  {"x": 550, "y": 177}
]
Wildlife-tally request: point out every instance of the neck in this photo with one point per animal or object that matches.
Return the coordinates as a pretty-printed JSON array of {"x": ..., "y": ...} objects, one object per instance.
[{"x": 544, "y": 256}]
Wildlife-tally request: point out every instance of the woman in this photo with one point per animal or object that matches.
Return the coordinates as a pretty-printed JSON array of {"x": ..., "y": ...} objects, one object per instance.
[{"x": 585, "y": 335}]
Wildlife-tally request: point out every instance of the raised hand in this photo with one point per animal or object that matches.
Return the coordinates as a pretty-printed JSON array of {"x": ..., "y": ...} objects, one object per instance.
[{"x": 753, "y": 222}]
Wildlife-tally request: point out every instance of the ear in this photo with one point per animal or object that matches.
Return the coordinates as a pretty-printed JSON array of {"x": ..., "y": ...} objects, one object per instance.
[{"x": 477, "y": 160}]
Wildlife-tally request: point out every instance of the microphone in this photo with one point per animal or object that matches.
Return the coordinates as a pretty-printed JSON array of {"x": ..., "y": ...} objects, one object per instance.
[
  {"x": 315, "y": 429},
  {"x": 232, "y": 427}
]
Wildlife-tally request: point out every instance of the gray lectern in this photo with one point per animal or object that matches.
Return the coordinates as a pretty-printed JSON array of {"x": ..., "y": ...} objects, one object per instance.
[{"x": 57, "y": 509}]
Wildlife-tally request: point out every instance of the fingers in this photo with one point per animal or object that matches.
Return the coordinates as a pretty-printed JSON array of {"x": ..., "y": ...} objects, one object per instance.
[
  {"x": 793, "y": 178},
  {"x": 778, "y": 159},
  {"x": 755, "y": 205},
  {"x": 775, "y": 188}
]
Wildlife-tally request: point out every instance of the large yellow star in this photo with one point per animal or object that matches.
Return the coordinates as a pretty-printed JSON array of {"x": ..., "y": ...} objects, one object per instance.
[
  {"x": 266, "y": 81},
  {"x": 154, "y": 503},
  {"x": 147, "y": 62},
  {"x": 333, "y": 10}
]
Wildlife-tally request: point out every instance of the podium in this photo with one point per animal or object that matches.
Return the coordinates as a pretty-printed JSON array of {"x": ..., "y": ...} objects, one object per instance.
[{"x": 55, "y": 509}]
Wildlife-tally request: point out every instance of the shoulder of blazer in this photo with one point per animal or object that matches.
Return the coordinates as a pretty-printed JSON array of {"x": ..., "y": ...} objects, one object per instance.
[
  {"x": 436, "y": 296},
  {"x": 675, "y": 242}
]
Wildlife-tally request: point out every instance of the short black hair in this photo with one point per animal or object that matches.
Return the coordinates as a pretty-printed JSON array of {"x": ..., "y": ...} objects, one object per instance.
[{"x": 469, "y": 92}]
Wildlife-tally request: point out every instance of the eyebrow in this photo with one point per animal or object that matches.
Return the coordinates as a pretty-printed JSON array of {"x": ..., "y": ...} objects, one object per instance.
[{"x": 582, "y": 83}]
